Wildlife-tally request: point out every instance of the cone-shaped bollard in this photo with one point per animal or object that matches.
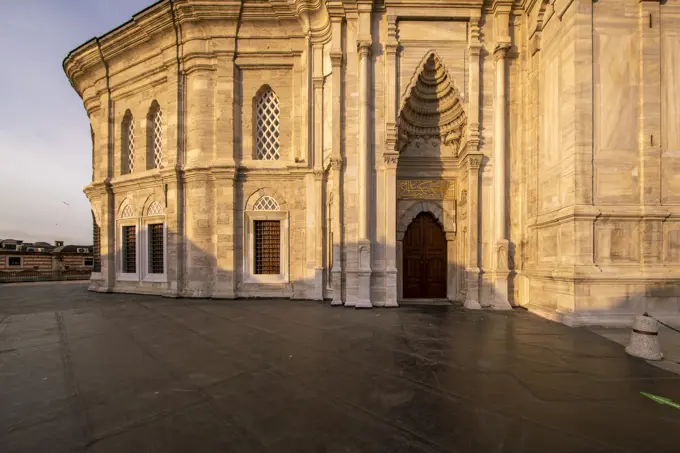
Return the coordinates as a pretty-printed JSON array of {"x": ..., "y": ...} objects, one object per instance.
[{"x": 644, "y": 340}]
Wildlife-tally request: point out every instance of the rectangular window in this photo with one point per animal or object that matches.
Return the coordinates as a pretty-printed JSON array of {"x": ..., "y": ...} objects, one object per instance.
[
  {"x": 156, "y": 248},
  {"x": 14, "y": 261},
  {"x": 129, "y": 250},
  {"x": 267, "y": 247},
  {"x": 88, "y": 262}
]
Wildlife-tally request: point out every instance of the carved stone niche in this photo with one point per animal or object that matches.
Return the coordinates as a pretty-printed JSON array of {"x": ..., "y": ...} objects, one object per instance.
[{"x": 432, "y": 121}]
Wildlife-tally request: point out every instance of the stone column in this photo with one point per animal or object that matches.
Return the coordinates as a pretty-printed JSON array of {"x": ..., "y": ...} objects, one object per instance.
[
  {"x": 336, "y": 228},
  {"x": 336, "y": 159},
  {"x": 224, "y": 206},
  {"x": 391, "y": 226},
  {"x": 474, "y": 51},
  {"x": 364, "y": 180},
  {"x": 391, "y": 158},
  {"x": 472, "y": 269},
  {"x": 501, "y": 246}
]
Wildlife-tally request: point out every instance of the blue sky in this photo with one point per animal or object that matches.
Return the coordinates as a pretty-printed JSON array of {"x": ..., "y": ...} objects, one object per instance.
[{"x": 45, "y": 147}]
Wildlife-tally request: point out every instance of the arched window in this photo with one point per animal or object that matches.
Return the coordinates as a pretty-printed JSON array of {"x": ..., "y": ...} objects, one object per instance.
[
  {"x": 155, "y": 143},
  {"x": 127, "y": 155},
  {"x": 267, "y": 125},
  {"x": 266, "y": 203},
  {"x": 127, "y": 224}
]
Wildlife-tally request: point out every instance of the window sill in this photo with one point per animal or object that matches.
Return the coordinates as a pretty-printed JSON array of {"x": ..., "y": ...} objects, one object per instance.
[
  {"x": 280, "y": 278},
  {"x": 155, "y": 278}
]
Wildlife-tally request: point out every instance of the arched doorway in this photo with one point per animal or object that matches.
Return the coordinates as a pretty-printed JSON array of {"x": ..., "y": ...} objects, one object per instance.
[{"x": 424, "y": 252}]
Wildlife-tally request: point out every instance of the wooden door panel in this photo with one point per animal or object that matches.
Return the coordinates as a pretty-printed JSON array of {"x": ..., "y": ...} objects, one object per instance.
[{"x": 424, "y": 266}]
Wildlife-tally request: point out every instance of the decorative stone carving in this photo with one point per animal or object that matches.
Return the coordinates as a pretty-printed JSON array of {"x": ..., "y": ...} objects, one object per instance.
[
  {"x": 474, "y": 161},
  {"x": 463, "y": 198},
  {"x": 433, "y": 108},
  {"x": 391, "y": 159},
  {"x": 425, "y": 189}
]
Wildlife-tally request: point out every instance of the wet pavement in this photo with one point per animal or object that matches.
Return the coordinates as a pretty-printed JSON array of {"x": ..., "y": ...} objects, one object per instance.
[{"x": 84, "y": 372}]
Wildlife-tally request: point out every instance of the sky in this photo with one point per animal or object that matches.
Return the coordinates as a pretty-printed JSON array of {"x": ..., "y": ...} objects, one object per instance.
[{"x": 45, "y": 146}]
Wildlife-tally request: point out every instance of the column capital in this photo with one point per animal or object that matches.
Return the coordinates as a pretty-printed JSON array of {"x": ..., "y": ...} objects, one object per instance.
[
  {"x": 317, "y": 82},
  {"x": 474, "y": 161},
  {"x": 336, "y": 59},
  {"x": 501, "y": 50},
  {"x": 335, "y": 163},
  {"x": 475, "y": 49},
  {"x": 364, "y": 48},
  {"x": 391, "y": 159}
]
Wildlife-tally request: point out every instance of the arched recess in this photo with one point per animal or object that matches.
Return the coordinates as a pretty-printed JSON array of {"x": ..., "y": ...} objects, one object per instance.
[
  {"x": 265, "y": 191},
  {"x": 431, "y": 107},
  {"x": 446, "y": 221},
  {"x": 126, "y": 210},
  {"x": 150, "y": 200}
]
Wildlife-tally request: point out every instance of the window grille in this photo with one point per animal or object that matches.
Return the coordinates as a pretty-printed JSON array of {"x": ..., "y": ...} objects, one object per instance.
[
  {"x": 156, "y": 248},
  {"x": 127, "y": 212},
  {"x": 129, "y": 250},
  {"x": 267, "y": 130},
  {"x": 155, "y": 209},
  {"x": 266, "y": 203},
  {"x": 96, "y": 249},
  {"x": 131, "y": 145},
  {"x": 267, "y": 247},
  {"x": 158, "y": 139}
]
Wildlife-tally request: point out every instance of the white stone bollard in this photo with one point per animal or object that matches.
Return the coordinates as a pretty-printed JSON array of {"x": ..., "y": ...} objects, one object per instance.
[{"x": 644, "y": 340}]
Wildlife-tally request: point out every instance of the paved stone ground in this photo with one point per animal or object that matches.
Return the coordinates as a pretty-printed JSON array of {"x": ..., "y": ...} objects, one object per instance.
[
  {"x": 84, "y": 372},
  {"x": 669, "y": 341}
]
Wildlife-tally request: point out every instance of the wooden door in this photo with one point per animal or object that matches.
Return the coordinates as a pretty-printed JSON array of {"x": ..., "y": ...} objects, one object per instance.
[{"x": 424, "y": 251}]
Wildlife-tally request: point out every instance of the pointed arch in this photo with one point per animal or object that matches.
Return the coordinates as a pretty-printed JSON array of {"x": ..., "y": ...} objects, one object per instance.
[
  {"x": 155, "y": 136},
  {"x": 125, "y": 210},
  {"x": 431, "y": 106},
  {"x": 267, "y": 120},
  {"x": 255, "y": 197},
  {"x": 424, "y": 206}
]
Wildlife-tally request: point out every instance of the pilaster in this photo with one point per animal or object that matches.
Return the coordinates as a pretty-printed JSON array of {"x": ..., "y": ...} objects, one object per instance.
[
  {"x": 336, "y": 160},
  {"x": 473, "y": 162},
  {"x": 364, "y": 180},
  {"x": 225, "y": 208},
  {"x": 500, "y": 263}
]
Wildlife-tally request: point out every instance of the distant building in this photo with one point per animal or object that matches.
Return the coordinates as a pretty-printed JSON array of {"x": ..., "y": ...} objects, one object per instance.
[{"x": 16, "y": 255}]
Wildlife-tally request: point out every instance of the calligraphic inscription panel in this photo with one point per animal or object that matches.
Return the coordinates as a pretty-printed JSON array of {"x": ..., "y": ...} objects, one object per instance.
[{"x": 425, "y": 189}]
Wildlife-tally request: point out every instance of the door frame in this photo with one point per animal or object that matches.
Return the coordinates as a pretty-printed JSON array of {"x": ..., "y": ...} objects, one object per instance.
[{"x": 446, "y": 219}]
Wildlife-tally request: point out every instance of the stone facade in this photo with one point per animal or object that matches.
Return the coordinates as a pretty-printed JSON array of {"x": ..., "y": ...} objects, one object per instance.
[{"x": 539, "y": 134}]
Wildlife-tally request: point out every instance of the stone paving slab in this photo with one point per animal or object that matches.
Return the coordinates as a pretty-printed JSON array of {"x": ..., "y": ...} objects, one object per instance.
[
  {"x": 87, "y": 372},
  {"x": 669, "y": 340}
]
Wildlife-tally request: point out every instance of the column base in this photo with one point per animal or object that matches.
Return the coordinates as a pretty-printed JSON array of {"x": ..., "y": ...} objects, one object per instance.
[
  {"x": 500, "y": 300},
  {"x": 472, "y": 294},
  {"x": 364, "y": 290},
  {"x": 391, "y": 288}
]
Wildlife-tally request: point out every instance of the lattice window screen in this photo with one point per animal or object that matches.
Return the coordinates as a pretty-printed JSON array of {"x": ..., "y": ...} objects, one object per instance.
[
  {"x": 127, "y": 212},
  {"x": 155, "y": 209},
  {"x": 158, "y": 139},
  {"x": 267, "y": 131},
  {"x": 266, "y": 203},
  {"x": 131, "y": 145}
]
